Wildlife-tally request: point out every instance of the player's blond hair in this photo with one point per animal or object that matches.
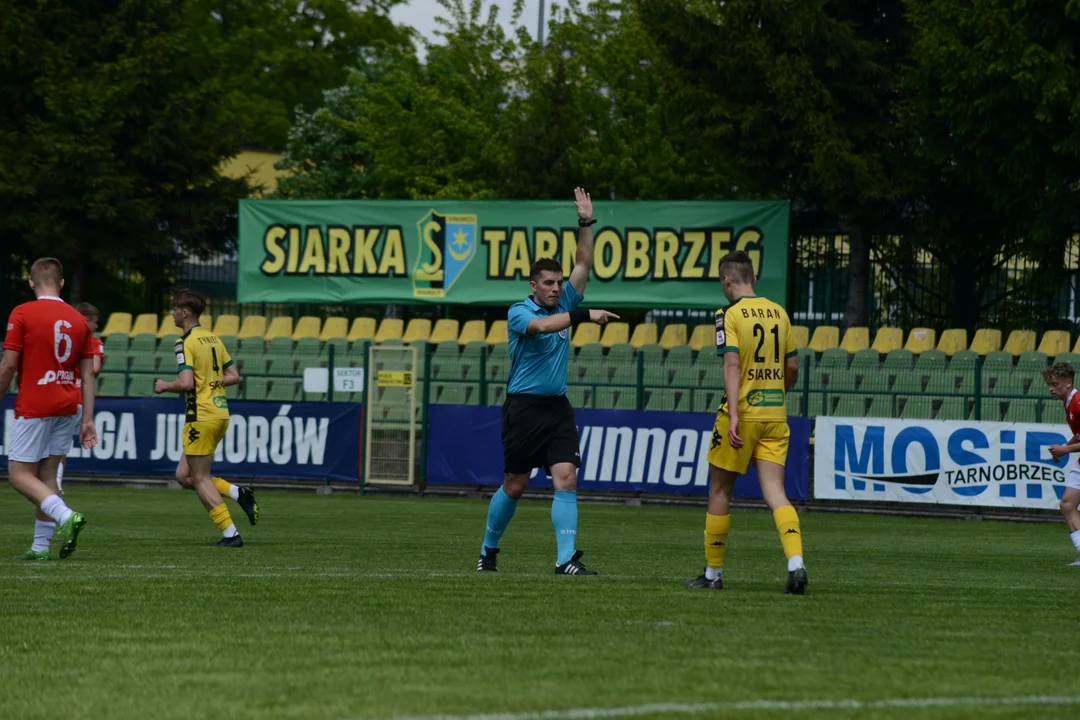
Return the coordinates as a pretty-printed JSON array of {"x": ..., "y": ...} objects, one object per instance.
[
  {"x": 1059, "y": 370},
  {"x": 47, "y": 271}
]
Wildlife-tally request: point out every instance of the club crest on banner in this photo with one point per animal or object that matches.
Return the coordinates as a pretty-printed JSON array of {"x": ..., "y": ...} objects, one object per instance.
[{"x": 446, "y": 246}]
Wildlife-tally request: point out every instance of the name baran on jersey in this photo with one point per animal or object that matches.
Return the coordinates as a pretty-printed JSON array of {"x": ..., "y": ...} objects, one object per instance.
[
  {"x": 760, "y": 313},
  {"x": 756, "y": 373}
]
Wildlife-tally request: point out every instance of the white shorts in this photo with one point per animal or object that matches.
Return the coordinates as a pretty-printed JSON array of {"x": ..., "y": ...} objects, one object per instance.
[
  {"x": 34, "y": 439},
  {"x": 1072, "y": 478}
]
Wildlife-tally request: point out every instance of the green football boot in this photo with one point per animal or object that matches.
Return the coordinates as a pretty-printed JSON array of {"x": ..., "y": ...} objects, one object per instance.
[
  {"x": 67, "y": 535},
  {"x": 33, "y": 555}
]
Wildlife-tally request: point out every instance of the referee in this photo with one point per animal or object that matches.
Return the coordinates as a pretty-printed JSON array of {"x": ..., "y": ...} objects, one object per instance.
[{"x": 538, "y": 428}]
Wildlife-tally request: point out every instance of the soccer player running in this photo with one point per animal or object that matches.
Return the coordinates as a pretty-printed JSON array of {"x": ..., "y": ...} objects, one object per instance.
[
  {"x": 1059, "y": 378},
  {"x": 47, "y": 344},
  {"x": 538, "y": 426},
  {"x": 753, "y": 336},
  {"x": 204, "y": 371}
]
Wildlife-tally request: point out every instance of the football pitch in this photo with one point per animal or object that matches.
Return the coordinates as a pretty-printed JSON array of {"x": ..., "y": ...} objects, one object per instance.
[{"x": 362, "y": 607}]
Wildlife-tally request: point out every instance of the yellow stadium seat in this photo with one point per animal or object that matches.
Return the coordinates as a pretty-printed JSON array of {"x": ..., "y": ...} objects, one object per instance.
[
  {"x": 307, "y": 326},
  {"x": 145, "y": 323},
  {"x": 952, "y": 341},
  {"x": 673, "y": 335},
  {"x": 644, "y": 334},
  {"x": 1019, "y": 342},
  {"x": 227, "y": 325},
  {"x": 920, "y": 339},
  {"x": 615, "y": 333},
  {"x": 802, "y": 335},
  {"x": 363, "y": 328},
  {"x": 417, "y": 329},
  {"x": 390, "y": 329},
  {"x": 334, "y": 327},
  {"x": 1055, "y": 342},
  {"x": 446, "y": 330},
  {"x": 825, "y": 338},
  {"x": 497, "y": 333},
  {"x": 119, "y": 322},
  {"x": 703, "y": 336},
  {"x": 855, "y": 339},
  {"x": 279, "y": 327},
  {"x": 472, "y": 331},
  {"x": 254, "y": 326},
  {"x": 888, "y": 339},
  {"x": 986, "y": 341},
  {"x": 584, "y": 334}
]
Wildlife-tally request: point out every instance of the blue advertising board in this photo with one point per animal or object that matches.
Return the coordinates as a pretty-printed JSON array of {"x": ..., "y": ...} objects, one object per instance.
[
  {"x": 141, "y": 436},
  {"x": 621, "y": 450}
]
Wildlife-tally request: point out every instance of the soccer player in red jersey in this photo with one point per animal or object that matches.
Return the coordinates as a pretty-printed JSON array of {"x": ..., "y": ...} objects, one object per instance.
[
  {"x": 1059, "y": 378},
  {"x": 46, "y": 343},
  {"x": 97, "y": 349}
]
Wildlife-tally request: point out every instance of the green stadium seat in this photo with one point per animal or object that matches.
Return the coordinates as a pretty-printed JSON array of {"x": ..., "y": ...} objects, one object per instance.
[
  {"x": 497, "y": 394},
  {"x": 851, "y": 406},
  {"x": 815, "y": 405},
  {"x": 841, "y": 379},
  {"x": 963, "y": 361},
  {"x": 707, "y": 400},
  {"x": 1025, "y": 411},
  {"x": 874, "y": 382},
  {"x": 144, "y": 343},
  {"x": 1053, "y": 412},
  {"x": 952, "y": 408},
  {"x": 661, "y": 400},
  {"x": 918, "y": 408},
  {"x": 651, "y": 354},
  {"x": 794, "y": 404},
  {"x": 1036, "y": 385},
  {"x": 621, "y": 375},
  {"x": 1032, "y": 360},
  {"x": 116, "y": 342},
  {"x": 866, "y": 359},
  {"x": 680, "y": 354},
  {"x": 281, "y": 365},
  {"x": 334, "y": 350},
  {"x": 284, "y": 390},
  {"x": 254, "y": 342},
  {"x": 590, "y": 352},
  {"x": 280, "y": 346},
  {"x": 230, "y": 342},
  {"x": 252, "y": 363},
  {"x": 686, "y": 377},
  {"x": 942, "y": 383},
  {"x": 899, "y": 359},
  {"x": 111, "y": 384},
  {"x": 1070, "y": 358},
  {"x": 604, "y": 398},
  {"x": 817, "y": 379},
  {"x": 451, "y": 394},
  {"x": 307, "y": 351},
  {"x": 1011, "y": 384},
  {"x": 713, "y": 376},
  {"x": 908, "y": 381},
  {"x": 834, "y": 358},
  {"x": 931, "y": 361},
  {"x": 577, "y": 395},
  {"x": 624, "y": 353},
  {"x": 807, "y": 357},
  {"x": 447, "y": 366},
  {"x": 144, "y": 362},
  {"x": 997, "y": 359},
  {"x": 991, "y": 410},
  {"x": 141, "y": 385},
  {"x": 256, "y": 388},
  {"x": 881, "y": 406}
]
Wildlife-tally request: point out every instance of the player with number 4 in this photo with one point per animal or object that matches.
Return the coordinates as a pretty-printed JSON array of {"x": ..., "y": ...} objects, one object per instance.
[{"x": 204, "y": 370}]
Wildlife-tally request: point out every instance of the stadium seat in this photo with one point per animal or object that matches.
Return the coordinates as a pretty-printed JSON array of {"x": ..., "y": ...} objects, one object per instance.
[
  {"x": 899, "y": 359},
  {"x": 615, "y": 333},
  {"x": 1054, "y": 342},
  {"x": 254, "y": 326},
  {"x": 882, "y": 406},
  {"x": 497, "y": 333},
  {"x": 141, "y": 385},
  {"x": 874, "y": 382},
  {"x": 144, "y": 343},
  {"x": 420, "y": 329},
  {"x": 111, "y": 384},
  {"x": 116, "y": 343},
  {"x": 825, "y": 337},
  {"x": 390, "y": 329},
  {"x": 674, "y": 334},
  {"x": 952, "y": 408},
  {"x": 793, "y": 403},
  {"x": 497, "y": 394},
  {"x": 991, "y": 410},
  {"x": 169, "y": 328},
  {"x": 709, "y": 400},
  {"x": 227, "y": 325},
  {"x": 931, "y": 361},
  {"x": 644, "y": 334},
  {"x": 841, "y": 379},
  {"x": 340, "y": 348},
  {"x": 834, "y": 358},
  {"x": 917, "y": 408},
  {"x": 335, "y": 328},
  {"x": 144, "y": 362},
  {"x": 703, "y": 336},
  {"x": 1012, "y": 384},
  {"x": 1020, "y": 342},
  {"x": 1025, "y": 411},
  {"x": 952, "y": 341},
  {"x": 986, "y": 341},
  {"x": 807, "y": 359},
  {"x": 118, "y": 323},
  {"x": 576, "y": 394},
  {"x": 942, "y": 383},
  {"x": 363, "y": 328},
  {"x": 284, "y": 390},
  {"x": 623, "y": 353},
  {"x": 856, "y": 339},
  {"x": 307, "y": 327},
  {"x": 911, "y": 381},
  {"x": 446, "y": 330},
  {"x": 888, "y": 339},
  {"x": 256, "y": 388},
  {"x": 920, "y": 339},
  {"x": 1070, "y": 357},
  {"x": 963, "y": 361},
  {"x": 997, "y": 360},
  {"x": 145, "y": 323},
  {"x": 472, "y": 331},
  {"x": 1032, "y": 360},
  {"x": 280, "y": 327},
  {"x": 585, "y": 333},
  {"x": 853, "y": 406},
  {"x": 1053, "y": 412},
  {"x": 802, "y": 335}
]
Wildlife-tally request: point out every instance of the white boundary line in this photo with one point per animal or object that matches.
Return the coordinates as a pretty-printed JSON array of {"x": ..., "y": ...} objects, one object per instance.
[{"x": 790, "y": 705}]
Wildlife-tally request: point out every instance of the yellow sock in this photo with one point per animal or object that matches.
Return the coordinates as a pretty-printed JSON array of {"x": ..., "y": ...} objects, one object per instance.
[
  {"x": 221, "y": 518},
  {"x": 787, "y": 525},
  {"x": 717, "y": 528},
  {"x": 224, "y": 487}
]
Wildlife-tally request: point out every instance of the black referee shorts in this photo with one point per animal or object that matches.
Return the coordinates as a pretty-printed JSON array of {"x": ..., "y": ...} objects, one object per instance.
[{"x": 538, "y": 431}]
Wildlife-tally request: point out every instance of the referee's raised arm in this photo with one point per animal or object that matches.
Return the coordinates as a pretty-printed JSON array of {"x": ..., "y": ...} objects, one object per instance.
[{"x": 579, "y": 276}]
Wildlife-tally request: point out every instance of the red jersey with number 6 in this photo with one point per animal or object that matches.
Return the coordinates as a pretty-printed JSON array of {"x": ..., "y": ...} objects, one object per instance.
[{"x": 51, "y": 337}]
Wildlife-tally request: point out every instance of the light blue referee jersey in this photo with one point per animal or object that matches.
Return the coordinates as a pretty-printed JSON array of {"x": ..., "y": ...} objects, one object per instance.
[{"x": 538, "y": 362}]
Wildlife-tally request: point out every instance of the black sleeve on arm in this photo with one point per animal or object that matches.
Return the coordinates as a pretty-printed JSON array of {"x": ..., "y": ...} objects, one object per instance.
[{"x": 578, "y": 316}]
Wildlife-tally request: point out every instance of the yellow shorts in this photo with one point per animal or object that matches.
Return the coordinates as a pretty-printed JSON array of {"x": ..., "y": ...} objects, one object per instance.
[
  {"x": 202, "y": 436},
  {"x": 761, "y": 441}
]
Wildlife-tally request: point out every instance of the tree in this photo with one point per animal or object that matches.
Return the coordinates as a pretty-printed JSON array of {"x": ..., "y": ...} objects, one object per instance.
[
  {"x": 113, "y": 122},
  {"x": 798, "y": 99}
]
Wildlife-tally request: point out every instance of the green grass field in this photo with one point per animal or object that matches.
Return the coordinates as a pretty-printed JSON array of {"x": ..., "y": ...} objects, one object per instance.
[{"x": 369, "y": 607}]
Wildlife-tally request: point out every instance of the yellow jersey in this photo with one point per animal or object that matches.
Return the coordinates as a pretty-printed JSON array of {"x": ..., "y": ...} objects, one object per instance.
[
  {"x": 205, "y": 355},
  {"x": 760, "y": 331}
]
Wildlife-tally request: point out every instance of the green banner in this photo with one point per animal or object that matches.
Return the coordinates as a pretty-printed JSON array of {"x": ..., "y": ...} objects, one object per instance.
[{"x": 647, "y": 254}]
